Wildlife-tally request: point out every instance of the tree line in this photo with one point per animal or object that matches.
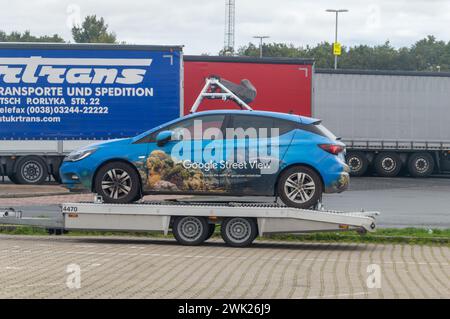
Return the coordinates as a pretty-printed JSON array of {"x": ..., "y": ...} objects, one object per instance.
[{"x": 428, "y": 54}]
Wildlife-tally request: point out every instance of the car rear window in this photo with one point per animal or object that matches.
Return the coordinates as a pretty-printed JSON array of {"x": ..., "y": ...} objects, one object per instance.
[
  {"x": 319, "y": 129},
  {"x": 325, "y": 132}
]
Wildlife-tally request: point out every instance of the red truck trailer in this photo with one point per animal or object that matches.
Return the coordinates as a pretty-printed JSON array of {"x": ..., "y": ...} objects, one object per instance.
[{"x": 283, "y": 85}]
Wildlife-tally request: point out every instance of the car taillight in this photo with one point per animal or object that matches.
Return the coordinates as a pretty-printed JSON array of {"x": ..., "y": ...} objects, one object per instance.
[{"x": 332, "y": 148}]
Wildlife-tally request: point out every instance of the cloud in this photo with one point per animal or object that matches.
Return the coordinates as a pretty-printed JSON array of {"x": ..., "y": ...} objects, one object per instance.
[{"x": 199, "y": 24}]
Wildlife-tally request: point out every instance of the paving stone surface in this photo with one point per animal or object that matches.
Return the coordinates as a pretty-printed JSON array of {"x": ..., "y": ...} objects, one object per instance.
[{"x": 123, "y": 267}]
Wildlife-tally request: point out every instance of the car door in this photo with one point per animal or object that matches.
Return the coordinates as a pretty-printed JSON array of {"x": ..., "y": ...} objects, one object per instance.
[
  {"x": 190, "y": 161},
  {"x": 258, "y": 158}
]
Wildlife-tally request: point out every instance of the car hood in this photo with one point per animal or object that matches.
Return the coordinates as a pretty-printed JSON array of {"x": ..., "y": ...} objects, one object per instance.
[{"x": 109, "y": 143}]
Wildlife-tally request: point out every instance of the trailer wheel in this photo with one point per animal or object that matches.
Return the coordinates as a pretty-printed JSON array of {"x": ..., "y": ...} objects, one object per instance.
[
  {"x": 300, "y": 187},
  {"x": 211, "y": 229},
  {"x": 190, "y": 231},
  {"x": 358, "y": 163},
  {"x": 388, "y": 164},
  {"x": 239, "y": 231},
  {"x": 31, "y": 170},
  {"x": 420, "y": 165}
]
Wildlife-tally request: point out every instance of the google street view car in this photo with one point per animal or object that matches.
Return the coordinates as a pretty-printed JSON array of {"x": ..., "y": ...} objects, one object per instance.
[{"x": 223, "y": 152}]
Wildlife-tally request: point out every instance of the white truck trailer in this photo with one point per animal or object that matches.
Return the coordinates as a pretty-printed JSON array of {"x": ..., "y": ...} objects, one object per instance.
[{"x": 391, "y": 121}]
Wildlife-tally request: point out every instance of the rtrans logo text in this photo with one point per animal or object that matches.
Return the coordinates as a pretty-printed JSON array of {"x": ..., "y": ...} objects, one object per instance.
[{"x": 73, "y": 70}]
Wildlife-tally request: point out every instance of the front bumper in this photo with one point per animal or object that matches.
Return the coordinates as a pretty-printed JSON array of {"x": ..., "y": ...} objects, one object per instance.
[{"x": 75, "y": 177}]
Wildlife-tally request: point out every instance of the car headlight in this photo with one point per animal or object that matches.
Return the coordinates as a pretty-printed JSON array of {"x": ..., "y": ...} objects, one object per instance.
[{"x": 79, "y": 155}]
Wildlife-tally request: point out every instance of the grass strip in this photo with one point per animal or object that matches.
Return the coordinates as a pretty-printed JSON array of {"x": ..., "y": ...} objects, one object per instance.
[{"x": 382, "y": 235}]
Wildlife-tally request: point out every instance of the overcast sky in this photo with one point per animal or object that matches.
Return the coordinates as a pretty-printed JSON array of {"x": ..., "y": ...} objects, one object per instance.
[{"x": 199, "y": 24}]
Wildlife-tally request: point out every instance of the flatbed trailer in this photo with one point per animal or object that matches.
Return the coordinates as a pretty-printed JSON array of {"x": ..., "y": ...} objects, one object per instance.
[{"x": 193, "y": 222}]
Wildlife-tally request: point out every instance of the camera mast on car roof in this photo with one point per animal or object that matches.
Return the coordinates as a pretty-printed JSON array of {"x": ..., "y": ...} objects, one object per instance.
[{"x": 218, "y": 88}]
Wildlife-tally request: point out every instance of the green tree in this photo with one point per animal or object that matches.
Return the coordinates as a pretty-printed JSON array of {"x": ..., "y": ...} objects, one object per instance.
[
  {"x": 429, "y": 54},
  {"x": 93, "y": 30},
  {"x": 26, "y": 36}
]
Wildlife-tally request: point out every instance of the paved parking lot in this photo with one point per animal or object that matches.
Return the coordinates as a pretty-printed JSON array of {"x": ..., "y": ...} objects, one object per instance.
[{"x": 111, "y": 267}]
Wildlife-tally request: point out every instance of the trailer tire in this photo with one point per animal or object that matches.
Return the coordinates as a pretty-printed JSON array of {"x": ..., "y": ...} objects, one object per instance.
[
  {"x": 310, "y": 179},
  {"x": 388, "y": 164},
  {"x": 31, "y": 170},
  {"x": 119, "y": 186},
  {"x": 239, "y": 231},
  {"x": 190, "y": 230},
  {"x": 358, "y": 163},
  {"x": 420, "y": 165}
]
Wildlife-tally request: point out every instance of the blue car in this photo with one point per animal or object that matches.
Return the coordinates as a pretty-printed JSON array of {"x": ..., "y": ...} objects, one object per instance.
[{"x": 225, "y": 152}]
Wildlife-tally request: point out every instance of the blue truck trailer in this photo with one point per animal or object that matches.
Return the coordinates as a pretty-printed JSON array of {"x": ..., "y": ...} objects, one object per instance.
[{"x": 55, "y": 98}]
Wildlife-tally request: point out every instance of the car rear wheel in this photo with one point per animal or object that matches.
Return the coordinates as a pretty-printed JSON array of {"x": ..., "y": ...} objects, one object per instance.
[
  {"x": 358, "y": 163},
  {"x": 117, "y": 182},
  {"x": 420, "y": 165},
  {"x": 300, "y": 187},
  {"x": 388, "y": 164}
]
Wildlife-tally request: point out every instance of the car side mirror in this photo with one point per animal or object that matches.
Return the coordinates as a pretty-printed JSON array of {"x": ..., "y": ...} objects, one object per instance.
[{"x": 163, "y": 137}]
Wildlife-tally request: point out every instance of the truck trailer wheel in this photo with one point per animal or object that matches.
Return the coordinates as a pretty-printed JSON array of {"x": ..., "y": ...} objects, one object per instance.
[
  {"x": 190, "y": 230},
  {"x": 420, "y": 165},
  {"x": 388, "y": 164},
  {"x": 31, "y": 170},
  {"x": 239, "y": 231},
  {"x": 358, "y": 163}
]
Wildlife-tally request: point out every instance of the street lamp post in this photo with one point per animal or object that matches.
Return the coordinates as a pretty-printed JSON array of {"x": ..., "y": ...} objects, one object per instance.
[
  {"x": 336, "y": 30},
  {"x": 261, "y": 37}
]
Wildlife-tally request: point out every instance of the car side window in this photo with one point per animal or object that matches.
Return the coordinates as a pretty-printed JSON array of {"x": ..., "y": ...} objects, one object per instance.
[
  {"x": 206, "y": 121},
  {"x": 201, "y": 123}
]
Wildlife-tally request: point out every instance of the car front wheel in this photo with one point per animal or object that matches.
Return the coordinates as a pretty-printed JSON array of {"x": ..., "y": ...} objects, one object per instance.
[
  {"x": 300, "y": 187},
  {"x": 117, "y": 182}
]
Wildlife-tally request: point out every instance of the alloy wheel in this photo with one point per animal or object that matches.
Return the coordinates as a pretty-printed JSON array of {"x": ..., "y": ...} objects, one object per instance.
[
  {"x": 116, "y": 183},
  {"x": 299, "y": 187}
]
